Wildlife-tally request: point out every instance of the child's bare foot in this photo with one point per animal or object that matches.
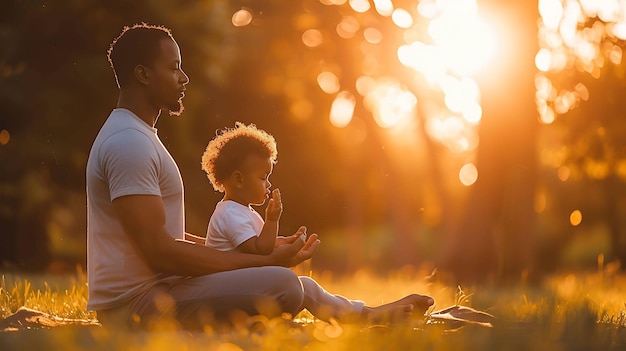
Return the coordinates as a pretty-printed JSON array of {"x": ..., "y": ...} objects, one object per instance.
[{"x": 398, "y": 310}]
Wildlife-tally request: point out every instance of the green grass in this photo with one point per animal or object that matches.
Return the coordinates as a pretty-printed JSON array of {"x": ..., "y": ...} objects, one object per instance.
[{"x": 584, "y": 311}]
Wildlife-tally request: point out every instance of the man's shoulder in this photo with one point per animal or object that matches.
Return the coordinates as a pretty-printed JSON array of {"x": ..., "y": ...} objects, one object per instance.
[
  {"x": 121, "y": 131},
  {"x": 123, "y": 120}
]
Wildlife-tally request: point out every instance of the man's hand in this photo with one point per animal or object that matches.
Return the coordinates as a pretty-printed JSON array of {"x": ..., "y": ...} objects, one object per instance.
[
  {"x": 274, "y": 207},
  {"x": 295, "y": 249}
]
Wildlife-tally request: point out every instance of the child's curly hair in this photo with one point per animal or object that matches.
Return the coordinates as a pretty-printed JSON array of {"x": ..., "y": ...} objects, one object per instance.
[{"x": 230, "y": 147}]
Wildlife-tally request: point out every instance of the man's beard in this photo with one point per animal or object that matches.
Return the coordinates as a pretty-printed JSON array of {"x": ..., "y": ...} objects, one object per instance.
[{"x": 176, "y": 110}]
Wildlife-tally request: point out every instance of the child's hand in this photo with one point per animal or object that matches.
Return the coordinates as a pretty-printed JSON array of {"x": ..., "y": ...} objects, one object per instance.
[
  {"x": 274, "y": 207},
  {"x": 283, "y": 240}
]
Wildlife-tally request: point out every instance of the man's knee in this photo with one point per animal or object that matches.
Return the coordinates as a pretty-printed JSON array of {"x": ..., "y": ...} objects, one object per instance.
[{"x": 289, "y": 289}]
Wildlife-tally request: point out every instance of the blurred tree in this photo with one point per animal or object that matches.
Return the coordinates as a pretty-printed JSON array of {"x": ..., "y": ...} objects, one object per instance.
[{"x": 580, "y": 97}]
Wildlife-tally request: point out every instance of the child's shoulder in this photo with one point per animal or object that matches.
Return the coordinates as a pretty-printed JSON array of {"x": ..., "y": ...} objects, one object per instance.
[{"x": 231, "y": 206}]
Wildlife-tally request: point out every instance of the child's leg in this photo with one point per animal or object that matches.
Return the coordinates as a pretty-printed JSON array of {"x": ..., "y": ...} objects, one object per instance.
[{"x": 324, "y": 305}]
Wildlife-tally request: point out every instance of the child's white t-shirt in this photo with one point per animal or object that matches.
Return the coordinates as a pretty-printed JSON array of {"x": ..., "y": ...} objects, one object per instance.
[{"x": 231, "y": 225}]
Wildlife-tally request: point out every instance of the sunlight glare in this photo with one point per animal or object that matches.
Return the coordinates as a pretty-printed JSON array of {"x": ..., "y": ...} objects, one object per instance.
[
  {"x": 473, "y": 113},
  {"x": 425, "y": 59},
  {"x": 459, "y": 93},
  {"x": 468, "y": 174},
  {"x": 453, "y": 133},
  {"x": 428, "y": 9},
  {"x": 467, "y": 42},
  {"x": 390, "y": 104},
  {"x": 609, "y": 11},
  {"x": 328, "y": 82},
  {"x": 619, "y": 30},
  {"x": 551, "y": 12},
  {"x": 312, "y": 38},
  {"x": 402, "y": 18},
  {"x": 342, "y": 109},
  {"x": 241, "y": 18}
]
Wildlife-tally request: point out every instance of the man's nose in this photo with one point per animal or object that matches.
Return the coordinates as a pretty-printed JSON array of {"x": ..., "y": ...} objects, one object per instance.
[{"x": 185, "y": 77}]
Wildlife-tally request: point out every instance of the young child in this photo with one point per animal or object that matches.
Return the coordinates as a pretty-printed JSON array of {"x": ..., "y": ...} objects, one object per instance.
[{"x": 239, "y": 162}]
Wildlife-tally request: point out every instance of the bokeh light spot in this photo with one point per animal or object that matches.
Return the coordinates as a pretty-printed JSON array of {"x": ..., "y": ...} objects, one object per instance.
[
  {"x": 563, "y": 173},
  {"x": 373, "y": 35},
  {"x": 543, "y": 59},
  {"x": 364, "y": 85},
  {"x": 242, "y": 18},
  {"x": 333, "y": 2},
  {"x": 575, "y": 218},
  {"x": 342, "y": 109},
  {"x": 348, "y": 27},
  {"x": 312, "y": 38},
  {"x": 383, "y": 7},
  {"x": 551, "y": 12},
  {"x": 360, "y": 5},
  {"x": 4, "y": 137},
  {"x": 468, "y": 174},
  {"x": 402, "y": 18},
  {"x": 328, "y": 82}
]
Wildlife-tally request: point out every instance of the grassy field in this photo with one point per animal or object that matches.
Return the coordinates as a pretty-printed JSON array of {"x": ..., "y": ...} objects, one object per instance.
[{"x": 584, "y": 311}]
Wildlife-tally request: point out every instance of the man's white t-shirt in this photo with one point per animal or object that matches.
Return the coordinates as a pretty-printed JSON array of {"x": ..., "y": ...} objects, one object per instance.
[
  {"x": 231, "y": 225},
  {"x": 127, "y": 158}
]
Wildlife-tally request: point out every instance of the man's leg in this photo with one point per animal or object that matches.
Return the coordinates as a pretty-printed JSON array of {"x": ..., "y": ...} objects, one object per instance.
[
  {"x": 213, "y": 298},
  {"x": 145, "y": 311}
]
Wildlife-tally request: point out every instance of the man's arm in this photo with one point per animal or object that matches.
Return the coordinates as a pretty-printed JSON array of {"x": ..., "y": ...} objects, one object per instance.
[{"x": 143, "y": 220}]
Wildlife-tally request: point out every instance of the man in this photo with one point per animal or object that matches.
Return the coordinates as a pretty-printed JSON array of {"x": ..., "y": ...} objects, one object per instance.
[
  {"x": 141, "y": 270},
  {"x": 138, "y": 261}
]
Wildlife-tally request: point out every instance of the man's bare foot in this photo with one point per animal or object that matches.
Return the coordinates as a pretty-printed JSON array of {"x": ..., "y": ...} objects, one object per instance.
[{"x": 398, "y": 310}]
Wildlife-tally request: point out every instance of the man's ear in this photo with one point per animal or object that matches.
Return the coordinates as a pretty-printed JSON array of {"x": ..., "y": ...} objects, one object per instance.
[
  {"x": 142, "y": 74},
  {"x": 237, "y": 178}
]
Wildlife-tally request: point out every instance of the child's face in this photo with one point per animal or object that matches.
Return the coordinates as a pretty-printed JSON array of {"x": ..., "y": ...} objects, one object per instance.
[{"x": 256, "y": 184}]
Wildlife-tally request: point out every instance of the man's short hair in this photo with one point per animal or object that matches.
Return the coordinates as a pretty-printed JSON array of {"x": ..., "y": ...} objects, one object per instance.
[{"x": 139, "y": 44}]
